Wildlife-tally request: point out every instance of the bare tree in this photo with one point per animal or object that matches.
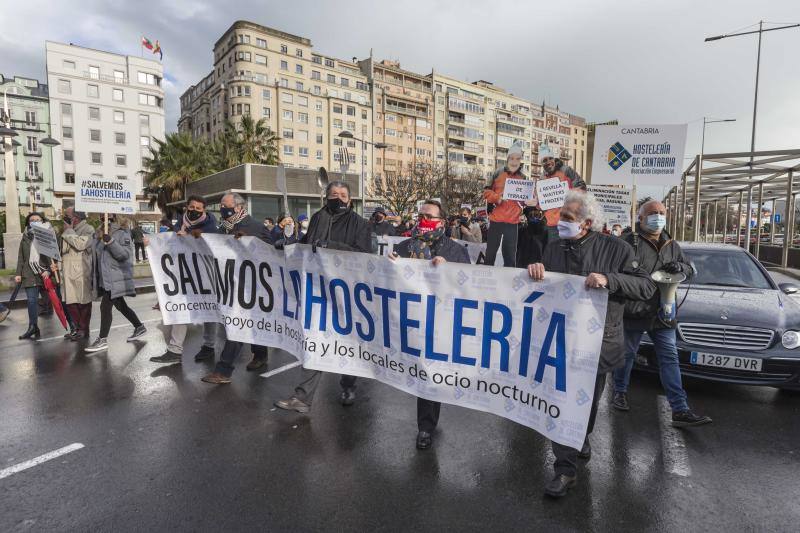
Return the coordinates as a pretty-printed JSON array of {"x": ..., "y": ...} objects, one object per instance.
[{"x": 397, "y": 192}]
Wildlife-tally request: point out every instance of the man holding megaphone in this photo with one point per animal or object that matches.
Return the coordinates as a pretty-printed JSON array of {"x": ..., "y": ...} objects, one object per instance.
[{"x": 662, "y": 257}]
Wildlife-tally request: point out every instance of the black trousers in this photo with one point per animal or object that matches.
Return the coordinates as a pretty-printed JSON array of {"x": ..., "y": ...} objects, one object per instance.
[
  {"x": 105, "y": 313},
  {"x": 508, "y": 233},
  {"x": 427, "y": 414},
  {"x": 231, "y": 352},
  {"x": 140, "y": 246},
  {"x": 566, "y": 457}
]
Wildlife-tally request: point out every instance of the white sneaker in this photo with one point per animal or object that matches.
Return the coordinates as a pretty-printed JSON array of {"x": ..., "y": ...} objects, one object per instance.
[{"x": 98, "y": 345}]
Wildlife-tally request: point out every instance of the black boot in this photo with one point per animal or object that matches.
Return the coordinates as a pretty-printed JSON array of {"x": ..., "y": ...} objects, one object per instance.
[{"x": 31, "y": 333}]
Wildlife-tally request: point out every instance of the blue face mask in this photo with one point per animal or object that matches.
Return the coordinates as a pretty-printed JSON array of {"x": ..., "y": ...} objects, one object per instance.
[{"x": 655, "y": 222}]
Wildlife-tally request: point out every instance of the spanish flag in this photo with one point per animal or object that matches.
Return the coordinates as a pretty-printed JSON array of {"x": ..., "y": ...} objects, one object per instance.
[{"x": 157, "y": 49}]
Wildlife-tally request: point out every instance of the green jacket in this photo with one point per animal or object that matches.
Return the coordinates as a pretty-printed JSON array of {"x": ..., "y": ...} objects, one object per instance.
[{"x": 24, "y": 269}]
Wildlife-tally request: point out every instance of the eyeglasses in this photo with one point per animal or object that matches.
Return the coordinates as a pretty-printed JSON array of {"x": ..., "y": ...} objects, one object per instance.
[{"x": 426, "y": 216}]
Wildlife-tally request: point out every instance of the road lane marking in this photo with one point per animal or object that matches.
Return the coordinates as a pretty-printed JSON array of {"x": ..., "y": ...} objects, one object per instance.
[
  {"x": 39, "y": 460},
  {"x": 98, "y": 329},
  {"x": 280, "y": 369},
  {"x": 673, "y": 447}
]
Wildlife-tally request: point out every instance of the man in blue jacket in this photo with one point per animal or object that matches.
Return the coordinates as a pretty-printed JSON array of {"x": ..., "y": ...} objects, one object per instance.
[{"x": 195, "y": 222}]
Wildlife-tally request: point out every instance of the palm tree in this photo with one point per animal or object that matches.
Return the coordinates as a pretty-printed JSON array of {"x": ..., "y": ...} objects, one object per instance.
[
  {"x": 173, "y": 163},
  {"x": 249, "y": 141}
]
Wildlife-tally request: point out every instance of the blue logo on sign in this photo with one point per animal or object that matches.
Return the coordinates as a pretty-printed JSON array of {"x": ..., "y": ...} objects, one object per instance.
[{"x": 617, "y": 156}]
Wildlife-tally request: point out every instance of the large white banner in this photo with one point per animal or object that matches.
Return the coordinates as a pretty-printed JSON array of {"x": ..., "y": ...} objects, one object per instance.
[
  {"x": 102, "y": 195},
  {"x": 615, "y": 201},
  {"x": 485, "y": 338},
  {"x": 640, "y": 154}
]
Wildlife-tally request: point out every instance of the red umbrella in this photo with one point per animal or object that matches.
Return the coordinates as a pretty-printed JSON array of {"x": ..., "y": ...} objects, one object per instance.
[{"x": 54, "y": 299}]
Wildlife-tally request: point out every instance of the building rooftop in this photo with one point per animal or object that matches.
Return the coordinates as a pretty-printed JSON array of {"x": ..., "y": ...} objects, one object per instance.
[
  {"x": 35, "y": 87},
  {"x": 137, "y": 58},
  {"x": 244, "y": 24}
]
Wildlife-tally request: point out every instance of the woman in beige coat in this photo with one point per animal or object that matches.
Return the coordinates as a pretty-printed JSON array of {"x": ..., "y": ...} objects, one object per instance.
[{"x": 77, "y": 265}]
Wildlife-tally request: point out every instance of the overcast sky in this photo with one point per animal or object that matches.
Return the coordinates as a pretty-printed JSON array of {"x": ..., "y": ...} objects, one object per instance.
[{"x": 639, "y": 62}]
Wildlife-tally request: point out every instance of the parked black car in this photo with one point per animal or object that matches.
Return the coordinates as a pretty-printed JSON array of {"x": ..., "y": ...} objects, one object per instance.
[{"x": 735, "y": 324}]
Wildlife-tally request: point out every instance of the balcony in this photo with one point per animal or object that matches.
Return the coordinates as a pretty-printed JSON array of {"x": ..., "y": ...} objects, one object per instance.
[
  {"x": 405, "y": 110},
  {"x": 33, "y": 153},
  {"x": 106, "y": 78},
  {"x": 456, "y": 119},
  {"x": 34, "y": 176}
]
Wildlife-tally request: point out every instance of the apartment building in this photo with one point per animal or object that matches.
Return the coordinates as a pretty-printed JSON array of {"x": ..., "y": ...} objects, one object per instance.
[
  {"x": 307, "y": 98},
  {"x": 105, "y": 110},
  {"x": 30, "y": 116},
  {"x": 402, "y": 103}
]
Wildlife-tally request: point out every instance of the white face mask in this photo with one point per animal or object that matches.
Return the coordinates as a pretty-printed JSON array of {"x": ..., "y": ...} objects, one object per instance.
[
  {"x": 616, "y": 232},
  {"x": 288, "y": 230},
  {"x": 656, "y": 222},
  {"x": 304, "y": 224},
  {"x": 568, "y": 230}
]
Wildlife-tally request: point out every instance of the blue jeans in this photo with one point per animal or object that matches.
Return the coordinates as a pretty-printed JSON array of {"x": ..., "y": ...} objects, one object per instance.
[
  {"x": 33, "y": 305},
  {"x": 668, "y": 368}
]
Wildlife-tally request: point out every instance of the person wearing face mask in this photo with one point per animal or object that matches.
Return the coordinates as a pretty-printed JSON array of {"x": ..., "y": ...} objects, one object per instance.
[
  {"x": 532, "y": 237},
  {"x": 338, "y": 227},
  {"x": 655, "y": 250},
  {"x": 284, "y": 230},
  {"x": 195, "y": 222},
  {"x": 616, "y": 230},
  {"x": 466, "y": 229},
  {"x": 555, "y": 168},
  {"x": 237, "y": 222},
  {"x": 609, "y": 264},
  {"x": 77, "y": 245},
  {"x": 31, "y": 269},
  {"x": 379, "y": 225},
  {"x": 112, "y": 280},
  {"x": 505, "y": 215},
  {"x": 428, "y": 241}
]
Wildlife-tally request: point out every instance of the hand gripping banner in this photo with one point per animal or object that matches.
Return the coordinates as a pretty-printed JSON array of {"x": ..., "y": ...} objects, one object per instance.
[{"x": 486, "y": 338}]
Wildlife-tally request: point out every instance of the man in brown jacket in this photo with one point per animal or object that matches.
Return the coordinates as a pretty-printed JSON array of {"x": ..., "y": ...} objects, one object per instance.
[{"x": 77, "y": 259}]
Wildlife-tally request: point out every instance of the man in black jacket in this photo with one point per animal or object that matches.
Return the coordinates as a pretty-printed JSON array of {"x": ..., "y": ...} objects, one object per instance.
[
  {"x": 428, "y": 241},
  {"x": 608, "y": 263},
  {"x": 338, "y": 227},
  {"x": 236, "y": 222},
  {"x": 531, "y": 237},
  {"x": 655, "y": 251}
]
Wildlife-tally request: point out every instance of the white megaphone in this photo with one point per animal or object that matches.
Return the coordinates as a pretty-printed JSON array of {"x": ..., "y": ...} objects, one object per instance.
[{"x": 667, "y": 287}]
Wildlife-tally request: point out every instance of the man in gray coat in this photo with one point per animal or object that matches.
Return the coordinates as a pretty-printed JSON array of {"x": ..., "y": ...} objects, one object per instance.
[{"x": 112, "y": 280}]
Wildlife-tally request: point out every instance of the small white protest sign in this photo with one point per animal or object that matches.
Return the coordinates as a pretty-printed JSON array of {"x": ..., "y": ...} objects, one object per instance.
[
  {"x": 519, "y": 190},
  {"x": 551, "y": 193}
]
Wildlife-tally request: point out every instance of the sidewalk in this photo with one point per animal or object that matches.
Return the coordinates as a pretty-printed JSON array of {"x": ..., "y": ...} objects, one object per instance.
[
  {"x": 143, "y": 285},
  {"x": 791, "y": 272}
]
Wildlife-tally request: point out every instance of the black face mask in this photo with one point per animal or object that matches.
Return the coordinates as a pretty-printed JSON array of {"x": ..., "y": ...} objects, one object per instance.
[
  {"x": 67, "y": 220},
  {"x": 226, "y": 212},
  {"x": 193, "y": 215},
  {"x": 335, "y": 205}
]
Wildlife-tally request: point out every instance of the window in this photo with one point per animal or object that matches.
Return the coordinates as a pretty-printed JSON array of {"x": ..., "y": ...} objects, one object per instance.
[
  {"x": 288, "y": 115},
  {"x": 119, "y": 138},
  {"x": 144, "y": 121},
  {"x": 288, "y": 150},
  {"x": 69, "y": 155},
  {"x": 265, "y": 112},
  {"x": 121, "y": 160},
  {"x": 284, "y": 83},
  {"x": 94, "y": 135},
  {"x": 288, "y": 133},
  {"x": 94, "y": 113},
  {"x": 149, "y": 99},
  {"x": 146, "y": 78},
  {"x": 92, "y": 91},
  {"x": 284, "y": 49},
  {"x": 243, "y": 39},
  {"x": 302, "y": 101},
  {"x": 318, "y": 105},
  {"x": 302, "y": 118},
  {"x": 97, "y": 158},
  {"x": 315, "y": 75},
  {"x": 261, "y": 60},
  {"x": 265, "y": 94},
  {"x": 337, "y": 123},
  {"x": 331, "y": 78},
  {"x": 119, "y": 76},
  {"x": 146, "y": 205},
  {"x": 337, "y": 108},
  {"x": 287, "y": 98},
  {"x": 32, "y": 144},
  {"x": 261, "y": 43},
  {"x": 242, "y": 56},
  {"x": 348, "y": 96},
  {"x": 30, "y": 118},
  {"x": 318, "y": 121},
  {"x": 64, "y": 87},
  {"x": 298, "y": 52},
  {"x": 66, "y": 132},
  {"x": 144, "y": 140},
  {"x": 68, "y": 176},
  {"x": 351, "y": 111},
  {"x": 302, "y": 135},
  {"x": 319, "y": 155},
  {"x": 119, "y": 117},
  {"x": 298, "y": 85},
  {"x": 337, "y": 141},
  {"x": 68, "y": 64},
  {"x": 319, "y": 138},
  {"x": 94, "y": 73},
  {"x": 284, "y": 65},
  {"x": 351, "y": 126},
  {"x": 116, "y": 95},
  {"x": 345, "y": 82},
  {"x": 351, "y": 143},
  {"x": 329, "y": 63},
  {"x": 364, "y": 114},
  {"x": 303, "y": 151},
  {"x": 317, "y": 90}
]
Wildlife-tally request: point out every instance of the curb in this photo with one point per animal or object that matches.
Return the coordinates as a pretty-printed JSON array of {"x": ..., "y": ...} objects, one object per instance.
[
  {"x": 21, "y": 302},
  {"x": 786, "y": 272}
]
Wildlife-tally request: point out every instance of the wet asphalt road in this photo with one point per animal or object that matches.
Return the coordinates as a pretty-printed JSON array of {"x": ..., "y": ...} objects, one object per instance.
[{"x": 164, "y": 451}]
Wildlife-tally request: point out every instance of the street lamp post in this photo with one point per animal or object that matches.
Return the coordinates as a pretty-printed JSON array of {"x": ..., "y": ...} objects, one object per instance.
[{"x": 380, "y": 146}]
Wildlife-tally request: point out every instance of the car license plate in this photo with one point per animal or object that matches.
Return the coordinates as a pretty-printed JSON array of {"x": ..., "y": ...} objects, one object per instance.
[{"x": 726, "y": 361}]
